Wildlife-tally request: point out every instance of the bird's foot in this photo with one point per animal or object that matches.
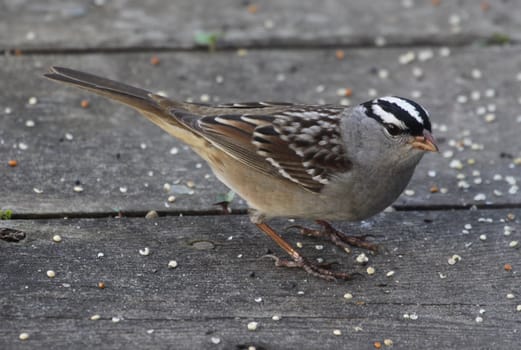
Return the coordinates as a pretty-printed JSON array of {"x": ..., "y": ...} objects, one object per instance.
[
  {"x": 337, "y": 237},
  {"x": 318, "y": 270}
]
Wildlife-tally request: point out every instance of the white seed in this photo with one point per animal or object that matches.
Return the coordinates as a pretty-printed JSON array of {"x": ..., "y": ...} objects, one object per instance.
[
  {"x": 390, "y": 273},
  {"x": 476, "y": 74},
  {"x": 513, "y": 244},
  {"x": 518, "y": 307},
  {"x": 371, "y": 270},
  {"x": 490, "y": 93},
  {"x": 348, "y": 296},
  {"x": 468, "y": 227},
  {"x": 215, "y": 340},
  {"x": 417, "y": 72},
  {"x": 337, "y": 332},
  {"x": 448, "y": 154},
  {"x": 258, "y": 299},
  {"x": 454, "y": 259},
  {"x": 413, "y": 316},
  {"x": 362, "y": 258},
  {"x": 490, "y": 117},
  {"x": 462, "y": 99},
  {"x": 219, "y": 79},
  {"x": 167, "y": 187},
  {"x": 145, "y": 251},
  {"x": 456, "y": 164},
  {"x": 380, "y": 41},
  {"x": 29, "y": 123},
  {"x": 425, "y": 55},
  {"x": 431, "y": 173},
  {"x": 33, "y": 100},
  {"x": 383, "y": 73},
  {"x": 23, "y": 146},
  {"x": 77, "y": 188},
  {"x": 123, "y": 189},
  {"x": 204, "y": 98},
  {"x": 444, "y": 52},
  {"x": 95, "y": 317},
  {"x": 57, "y": 238},
  {"x": 116, "y": 319},
  {"x": 480, "y": 197},
  {"x": 276, "y": 317},
  {"x": 388, "y": 342},
  {"x": 510, "y": 296},
  {"x": 407, "y": 57},
  {"x": 483, "y": 237},
  {"x": 475, "y": 95},
  {"x": 299, "y": 245},
  {"x": 319, "y": 247},
  {"x": 51, "y": 274},
  {"x": 172, "y": 264},
  {"x": 409, "y": 192},
  {"x": 171, "y": 199},
  {"x": 479, "y": 319},
  {"x": 252, "y": 326},
  {"x": 23, "y": 336},
  {"x": 174, "y": 150}
]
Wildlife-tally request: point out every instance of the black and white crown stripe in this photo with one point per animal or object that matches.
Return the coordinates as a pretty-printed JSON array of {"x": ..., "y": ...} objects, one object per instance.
[{"x": 400, "y": 112}]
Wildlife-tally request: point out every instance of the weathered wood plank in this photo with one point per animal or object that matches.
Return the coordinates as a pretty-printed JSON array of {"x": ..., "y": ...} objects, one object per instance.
[
  {"x": 212, "y": 292},
  {"x": 60, "y": 24},
  {"x": 101, "y": 133}
]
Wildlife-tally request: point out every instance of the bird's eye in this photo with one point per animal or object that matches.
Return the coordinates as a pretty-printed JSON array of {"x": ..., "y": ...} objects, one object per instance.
[{"x": 393, "y": 130}]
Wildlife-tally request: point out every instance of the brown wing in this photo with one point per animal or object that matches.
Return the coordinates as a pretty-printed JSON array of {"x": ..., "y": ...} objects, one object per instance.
[{"x": 302, "y": 144}]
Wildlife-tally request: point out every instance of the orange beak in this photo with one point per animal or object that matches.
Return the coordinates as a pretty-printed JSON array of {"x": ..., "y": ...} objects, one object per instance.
[{"x": 425, "y": 143}]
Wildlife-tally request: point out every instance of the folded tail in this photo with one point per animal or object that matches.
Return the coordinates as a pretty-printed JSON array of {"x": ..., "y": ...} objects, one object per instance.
[{"x": 156, "y": 108}]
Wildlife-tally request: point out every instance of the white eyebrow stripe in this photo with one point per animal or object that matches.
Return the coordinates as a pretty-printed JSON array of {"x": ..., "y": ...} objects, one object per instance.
[
  {"x": 413, "y": 111},
  {"x": 388, "y": 118}
]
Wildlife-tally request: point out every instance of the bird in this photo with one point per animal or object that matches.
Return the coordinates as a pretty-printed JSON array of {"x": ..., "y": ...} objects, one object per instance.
[{"x": 312, "y": 162}]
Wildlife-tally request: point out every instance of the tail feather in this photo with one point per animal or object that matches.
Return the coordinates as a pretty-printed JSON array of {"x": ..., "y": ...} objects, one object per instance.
[
  {"x": 154, "y": 107},
  {"x": 130, "y": 95}
]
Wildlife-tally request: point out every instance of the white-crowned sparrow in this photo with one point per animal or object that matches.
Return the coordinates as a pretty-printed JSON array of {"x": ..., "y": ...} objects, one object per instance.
[{"x": 318, "y": 162}]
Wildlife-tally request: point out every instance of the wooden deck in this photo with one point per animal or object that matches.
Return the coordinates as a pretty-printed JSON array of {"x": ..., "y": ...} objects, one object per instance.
[{"x": 462, "y": 60}]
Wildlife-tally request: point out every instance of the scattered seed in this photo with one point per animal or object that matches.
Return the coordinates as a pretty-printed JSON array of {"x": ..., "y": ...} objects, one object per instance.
[
  {"x": 456, "y": 164},
  {"x": 476, "y": 74},
  {"x": 152, "y": 214},
  {"x": 339, "y": 54},
  {"x": 337, "y": 332},
  {"x": 371, "y": 270},
  {"x": 101, "y": 285},
  {"x": 33, "y": 100},
  {"x": 454, "y": 259},
  {"x": 154, "y": 60},
  {"x": 145, "y": 251},
  {"x": 510, "y": 296},
  {"x": 78, "y": 188},
  {"x": 483, "y": 237},
  {"x": 409, "y": 192},
  {"x": 12, "y": 163},
  {"x": 348, "y": 296},
  {"x": 362, "y": 258},
  {"x": 480, "y": 197},
  {"x": 518, "y": 308},
  {"x": 23, "y": 336},
  {"x": 513, "y": 244},
  {"x": 299, "y": 245},
  {"x": 95, "y": 317},
  {"x": 123, "y": 189},
  {"x": 383, "y": 73},
  {"x": 377, "y": 345},
  {"x": 390, "y": 273},
  {"x": 388, "y": 342},
  {"x": 215, "y": 340},
  {"x": 479, "y": 319},
  {"x": 51, "y": 274},
  {"x": 116, "y": 319},
  {"x": 171, "y": 199},
  {"x": 276, "y": 317},
  {"x": 57, "y": 238},
  {"x": 252, "y": 326},
  {"x": 507, "y": 267}
]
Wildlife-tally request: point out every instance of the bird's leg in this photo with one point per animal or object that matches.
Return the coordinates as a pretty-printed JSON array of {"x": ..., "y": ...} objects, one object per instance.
[
  {"x": 338, "y": 238},
  {"x": 318, "y": 270}
]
